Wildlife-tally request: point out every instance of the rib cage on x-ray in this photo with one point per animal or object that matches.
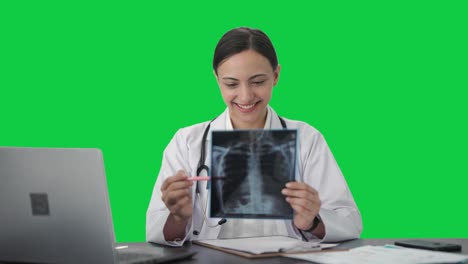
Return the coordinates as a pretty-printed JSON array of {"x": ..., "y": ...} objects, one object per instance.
[{"x": 249, "y": 170}]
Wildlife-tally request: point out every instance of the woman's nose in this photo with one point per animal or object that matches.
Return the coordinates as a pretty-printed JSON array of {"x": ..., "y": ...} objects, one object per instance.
[{"x": 245, "y": 94}]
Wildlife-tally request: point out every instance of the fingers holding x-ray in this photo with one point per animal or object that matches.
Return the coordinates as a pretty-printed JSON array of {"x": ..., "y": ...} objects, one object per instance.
[
  {"x": 305, "y": 201},
  {"x": 249, "y": 170}
]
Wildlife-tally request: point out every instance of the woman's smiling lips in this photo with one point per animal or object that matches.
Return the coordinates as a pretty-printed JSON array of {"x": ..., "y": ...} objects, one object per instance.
[{"x": 246, "y": 108}]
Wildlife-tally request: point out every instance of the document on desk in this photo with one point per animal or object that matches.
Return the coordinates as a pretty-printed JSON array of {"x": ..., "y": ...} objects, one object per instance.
[
  {"x": 268, "y": 244},
  {"x": 388, "y": 254}
]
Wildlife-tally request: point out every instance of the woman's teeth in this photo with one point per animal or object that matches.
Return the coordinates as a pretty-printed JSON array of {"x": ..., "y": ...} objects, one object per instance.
[{"x": 246, "y": 106}]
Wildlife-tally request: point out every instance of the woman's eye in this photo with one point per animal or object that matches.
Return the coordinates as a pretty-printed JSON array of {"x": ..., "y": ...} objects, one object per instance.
[
  {"x": 231, "y": 84},
  {"x": 258, "y": 82}
]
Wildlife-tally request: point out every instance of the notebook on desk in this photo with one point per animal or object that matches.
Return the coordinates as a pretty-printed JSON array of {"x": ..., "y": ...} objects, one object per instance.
[{"x": 55, "y": 209}]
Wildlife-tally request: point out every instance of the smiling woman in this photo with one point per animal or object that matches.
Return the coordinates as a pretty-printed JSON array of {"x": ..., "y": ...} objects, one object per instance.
[
  {"x": 246, "y": 81},
  {"x": 246, "y": 68}
]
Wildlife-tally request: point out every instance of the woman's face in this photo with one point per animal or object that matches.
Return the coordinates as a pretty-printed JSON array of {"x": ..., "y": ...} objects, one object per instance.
[{"x": 246, "y": 82}]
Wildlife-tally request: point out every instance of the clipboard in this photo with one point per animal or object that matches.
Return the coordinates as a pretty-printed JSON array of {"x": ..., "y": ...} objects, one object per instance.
[{"x": 266, "y": 254}]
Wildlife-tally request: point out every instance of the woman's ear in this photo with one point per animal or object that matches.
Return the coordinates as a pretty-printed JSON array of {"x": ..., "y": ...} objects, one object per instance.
[
  {"x": 215, "y": 75},
  {"x": 276, "y": 74}
]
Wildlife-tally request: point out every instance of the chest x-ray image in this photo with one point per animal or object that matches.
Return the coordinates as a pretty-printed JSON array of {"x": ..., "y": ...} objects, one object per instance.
[{"x": 249, "y": 170}]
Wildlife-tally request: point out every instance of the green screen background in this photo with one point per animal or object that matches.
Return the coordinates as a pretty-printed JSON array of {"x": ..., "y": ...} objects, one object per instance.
[{"x": 384, "y": 81}]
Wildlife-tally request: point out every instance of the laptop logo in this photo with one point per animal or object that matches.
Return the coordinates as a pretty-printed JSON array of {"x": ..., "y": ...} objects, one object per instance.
[{"x": 39, "y": 203}]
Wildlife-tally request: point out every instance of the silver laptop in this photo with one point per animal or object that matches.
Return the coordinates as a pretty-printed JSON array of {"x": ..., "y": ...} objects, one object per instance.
[{"x": 54, "y": 208}]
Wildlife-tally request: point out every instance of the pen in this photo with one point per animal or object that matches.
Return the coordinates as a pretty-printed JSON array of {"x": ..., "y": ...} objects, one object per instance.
[
  {"x": 201, "y": 178},
  {"x": 300, "y": 249}
]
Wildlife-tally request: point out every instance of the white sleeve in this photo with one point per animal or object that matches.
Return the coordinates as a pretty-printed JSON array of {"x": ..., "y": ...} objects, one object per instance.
[
  {"x": 338, "y": 212},
  {"x": 174, "y": 159}
]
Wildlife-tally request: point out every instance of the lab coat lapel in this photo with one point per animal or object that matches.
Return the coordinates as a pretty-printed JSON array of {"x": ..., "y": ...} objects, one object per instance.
[
  {"x": 275, "y": 121},
  {"x": 209, "y": 232},
  {"x": 218, "y": 124}
]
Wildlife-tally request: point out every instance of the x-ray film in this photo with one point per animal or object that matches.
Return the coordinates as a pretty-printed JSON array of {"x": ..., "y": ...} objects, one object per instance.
[{"x": 249, "y": 168}]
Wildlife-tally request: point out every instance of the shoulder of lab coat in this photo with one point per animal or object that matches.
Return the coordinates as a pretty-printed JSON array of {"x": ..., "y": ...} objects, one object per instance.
[
  {"x": 182, "y": 153},
  {"x": 175, "y": 157},
  {"x": 318, "y": 168}
]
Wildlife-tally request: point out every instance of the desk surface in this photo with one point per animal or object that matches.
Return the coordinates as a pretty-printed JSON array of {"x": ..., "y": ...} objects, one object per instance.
[{"x": 206, "y": 255}]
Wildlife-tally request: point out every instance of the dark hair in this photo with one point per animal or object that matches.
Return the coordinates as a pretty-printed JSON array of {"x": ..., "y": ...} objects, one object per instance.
[{"x": 240, "y": 39}]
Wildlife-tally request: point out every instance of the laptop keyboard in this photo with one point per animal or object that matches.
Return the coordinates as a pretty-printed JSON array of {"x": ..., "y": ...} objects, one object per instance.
[{"x": 145, "y": 254}]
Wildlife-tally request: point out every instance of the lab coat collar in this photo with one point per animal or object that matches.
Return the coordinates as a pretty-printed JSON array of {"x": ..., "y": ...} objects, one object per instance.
[{"x": 275, "y": 121}]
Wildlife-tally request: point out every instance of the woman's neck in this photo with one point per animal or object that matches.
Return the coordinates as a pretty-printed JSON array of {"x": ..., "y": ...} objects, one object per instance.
[{"x": 259, "y": 124}]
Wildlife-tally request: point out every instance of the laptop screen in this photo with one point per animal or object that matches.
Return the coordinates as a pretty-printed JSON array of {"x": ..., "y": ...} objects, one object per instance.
[{"x": 54, "y": 206}]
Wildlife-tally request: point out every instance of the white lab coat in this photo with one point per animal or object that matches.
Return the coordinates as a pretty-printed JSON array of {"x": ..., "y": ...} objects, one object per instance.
[{"x": 316, "y": 166}]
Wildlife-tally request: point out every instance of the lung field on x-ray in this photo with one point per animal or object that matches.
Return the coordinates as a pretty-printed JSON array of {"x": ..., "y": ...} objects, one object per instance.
[{"x": 249, "y": 170}]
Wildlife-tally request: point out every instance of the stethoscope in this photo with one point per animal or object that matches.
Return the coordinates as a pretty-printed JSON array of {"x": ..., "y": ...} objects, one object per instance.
[{"x": 202, "y": 166}]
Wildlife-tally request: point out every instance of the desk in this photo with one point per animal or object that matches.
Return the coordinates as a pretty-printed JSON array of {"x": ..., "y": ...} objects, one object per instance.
[{"x": 206, "y": 255}]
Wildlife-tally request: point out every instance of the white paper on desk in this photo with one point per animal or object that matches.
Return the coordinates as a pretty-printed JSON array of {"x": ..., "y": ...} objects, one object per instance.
[
  {"x": 388, "y": 254},
  {"x": 259, "y": 245}
]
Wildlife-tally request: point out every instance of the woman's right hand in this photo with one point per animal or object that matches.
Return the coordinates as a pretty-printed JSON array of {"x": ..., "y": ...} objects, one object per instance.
[{"x": 177, "y": 196}]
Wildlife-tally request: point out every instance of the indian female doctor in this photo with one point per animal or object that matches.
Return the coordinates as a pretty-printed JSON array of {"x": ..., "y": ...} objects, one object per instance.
[{"x": 246, "y": 68}]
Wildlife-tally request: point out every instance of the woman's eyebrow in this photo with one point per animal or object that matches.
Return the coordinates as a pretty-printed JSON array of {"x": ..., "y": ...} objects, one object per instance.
[
  {"x": 252, "y": 77},
  {"x": 257, "y": 75},
  {"x": 230, "y": 78}
]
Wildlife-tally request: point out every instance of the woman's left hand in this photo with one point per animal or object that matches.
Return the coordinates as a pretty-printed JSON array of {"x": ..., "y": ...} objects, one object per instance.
[{"x": 305, "y": 201}]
